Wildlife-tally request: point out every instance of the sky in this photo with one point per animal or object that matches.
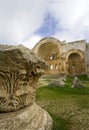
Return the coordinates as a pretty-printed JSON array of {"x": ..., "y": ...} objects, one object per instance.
[{"x": 28, "y": 21}]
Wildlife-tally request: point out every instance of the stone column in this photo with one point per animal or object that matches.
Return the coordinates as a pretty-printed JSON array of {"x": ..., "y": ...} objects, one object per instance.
[{"x": 20, "y": 70}]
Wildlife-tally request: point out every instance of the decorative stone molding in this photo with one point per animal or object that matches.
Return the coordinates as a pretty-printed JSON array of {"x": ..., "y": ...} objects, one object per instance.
[
  {"x": 20, "y": 70},
  {"x": 16, "y": 90}
]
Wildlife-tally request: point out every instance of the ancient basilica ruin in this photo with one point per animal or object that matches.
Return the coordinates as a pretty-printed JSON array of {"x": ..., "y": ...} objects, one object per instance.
[
  {"x": 20, "y": 70},
  {"x": 68, "y": 58}
]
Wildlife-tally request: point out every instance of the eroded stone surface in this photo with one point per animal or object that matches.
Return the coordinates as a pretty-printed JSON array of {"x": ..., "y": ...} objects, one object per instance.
[
  {"x": 62, "y": 57},
  {"x": 57, "y": 83},
  {"x": 20, "y": 70},
  {"x": 77, "y": 83},
  {"x": 29, "y": 118}
]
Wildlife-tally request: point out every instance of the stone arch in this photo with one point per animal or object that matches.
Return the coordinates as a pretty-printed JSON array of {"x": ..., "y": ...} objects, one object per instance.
[
  {"x": 49, "y": 49},
  {"x": 74, "y": 51},
  {"x": 45, "y": 40},
  {"x": 75, "y": 62}
]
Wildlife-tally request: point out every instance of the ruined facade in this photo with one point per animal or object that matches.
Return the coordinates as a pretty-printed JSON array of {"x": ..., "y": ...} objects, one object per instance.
[{"x": 67, "y": 58}]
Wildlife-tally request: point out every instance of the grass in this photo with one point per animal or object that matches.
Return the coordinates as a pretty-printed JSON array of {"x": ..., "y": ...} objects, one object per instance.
[
  {"x": 59, "y": 122},
  {"x": 69, "y": 107}
]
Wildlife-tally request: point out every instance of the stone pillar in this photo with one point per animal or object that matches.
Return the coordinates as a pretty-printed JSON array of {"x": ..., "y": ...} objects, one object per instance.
[{"x": 20, "y": 70}]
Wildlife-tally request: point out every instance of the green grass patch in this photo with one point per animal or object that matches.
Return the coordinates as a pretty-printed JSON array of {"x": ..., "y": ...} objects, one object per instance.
[
  {"x": 56, "y": 93},
  {"x": 59, "y": 123},
  {"x": 69, "y": 107},
  {"x": 83, "y": 78}
]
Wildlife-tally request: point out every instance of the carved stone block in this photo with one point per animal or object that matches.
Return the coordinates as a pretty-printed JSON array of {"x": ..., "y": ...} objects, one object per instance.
[
  {"x": 20, "y": 70},
  {"x": 29, "y": 118}
]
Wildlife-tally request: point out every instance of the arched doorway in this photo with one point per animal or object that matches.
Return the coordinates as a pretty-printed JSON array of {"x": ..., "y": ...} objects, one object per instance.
[
  {"x": 50, "y": 49},
  {"x": 75, "y": 64}
]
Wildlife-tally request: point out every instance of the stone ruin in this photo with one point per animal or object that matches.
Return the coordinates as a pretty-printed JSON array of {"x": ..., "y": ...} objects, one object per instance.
[
  {"x": 59, "y": 82},
  {"x": 77, "y": 83},
  {"x": 20, "y": 70},
  {"x": 70, "y": 58}
]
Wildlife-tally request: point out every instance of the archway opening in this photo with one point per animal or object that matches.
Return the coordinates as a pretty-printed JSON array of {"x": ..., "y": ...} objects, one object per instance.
[
  {"x": 49, "y": 51},
  {"x": 75, "y": 66}
]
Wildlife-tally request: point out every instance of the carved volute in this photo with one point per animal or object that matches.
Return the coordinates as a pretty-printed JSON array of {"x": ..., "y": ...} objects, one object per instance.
[{"x": 20, "y": 70}]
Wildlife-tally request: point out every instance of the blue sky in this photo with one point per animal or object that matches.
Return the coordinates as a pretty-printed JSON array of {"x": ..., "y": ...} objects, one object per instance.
[
  {"x": 49, "y": 26},
  {"x": 26, "y": 22}
]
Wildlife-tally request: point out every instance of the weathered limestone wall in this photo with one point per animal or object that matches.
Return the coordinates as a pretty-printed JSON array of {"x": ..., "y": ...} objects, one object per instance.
[
  {"x": 87, "y": 54},
  {"x": 76, "y": 48},
  {"x": 77, "y": 45},
  {"x": 50, "y": 50},
  {"x": 87, "y": 57},
  {"x": 20, "y": 70},
  {"x": 62, "y": 51}
]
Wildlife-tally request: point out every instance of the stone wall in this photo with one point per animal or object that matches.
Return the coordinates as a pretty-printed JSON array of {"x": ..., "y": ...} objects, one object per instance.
[
  {"x": 87, "y": 57},
  {"x": 78, "y": 45},
  {"x": 61, "y": 50}
]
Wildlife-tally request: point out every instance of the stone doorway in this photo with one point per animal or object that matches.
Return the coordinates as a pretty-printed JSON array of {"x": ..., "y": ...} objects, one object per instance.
[
  {"x": 75, "y": 64},
  {"x": 49, "y": 51}
]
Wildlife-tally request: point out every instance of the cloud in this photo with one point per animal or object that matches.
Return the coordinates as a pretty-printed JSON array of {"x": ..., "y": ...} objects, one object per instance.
[
  {"x": 72, "y": 17},
  {"x": 21, "y": 19},
  {"x": 68, "y": 12},
  {"x": 48, "y": 28},
  {"x": 30, "y": 43}
]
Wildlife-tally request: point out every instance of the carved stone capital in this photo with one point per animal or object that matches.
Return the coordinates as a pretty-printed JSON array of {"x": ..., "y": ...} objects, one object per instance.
[{"x": 20, "y": 70}]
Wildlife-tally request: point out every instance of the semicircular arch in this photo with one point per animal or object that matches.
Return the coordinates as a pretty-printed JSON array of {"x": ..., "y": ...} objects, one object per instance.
[
  {"x": 47, "y": 40},
  {"x": 75, "y": 62},
  {"x": 79, "y": 52},
  {"x": 47, "y": 47}
]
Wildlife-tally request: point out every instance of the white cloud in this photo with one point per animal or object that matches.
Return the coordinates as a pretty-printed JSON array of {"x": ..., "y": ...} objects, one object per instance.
[
  {"x": 72, "y": 17},
  {"x": 31, "y": 42},
  {"x": 70, "y": 35},
  {"x": 19, "y": 19},
  {"x": 68, "y": 12}
]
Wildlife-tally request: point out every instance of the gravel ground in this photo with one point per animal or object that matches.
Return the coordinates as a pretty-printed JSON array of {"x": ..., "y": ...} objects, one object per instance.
[{"x": 68, "y": 110}]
